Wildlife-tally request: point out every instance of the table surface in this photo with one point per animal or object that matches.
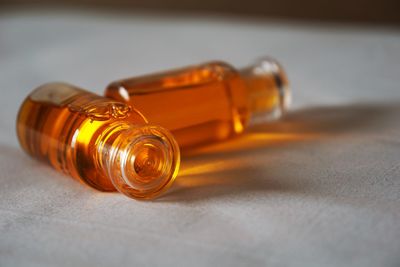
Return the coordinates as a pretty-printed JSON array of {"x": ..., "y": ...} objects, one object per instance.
[{"x": 319, "y": 188}]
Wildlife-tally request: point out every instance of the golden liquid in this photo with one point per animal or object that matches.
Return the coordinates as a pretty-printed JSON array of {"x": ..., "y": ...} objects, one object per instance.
[
  {"x": 197, "y": 104},
  {"x": 65, "y": 128}
]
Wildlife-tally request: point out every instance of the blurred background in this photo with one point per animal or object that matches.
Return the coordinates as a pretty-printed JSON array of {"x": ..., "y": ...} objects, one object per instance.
[
  {"x": 366, "y": 11},
  {"x": 381, "y": 11}
]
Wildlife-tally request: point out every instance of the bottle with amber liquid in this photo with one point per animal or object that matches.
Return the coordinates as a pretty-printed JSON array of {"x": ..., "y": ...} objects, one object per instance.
[
  {"x": 210, "y": 101},
  {"x": 104, "y": 143}
]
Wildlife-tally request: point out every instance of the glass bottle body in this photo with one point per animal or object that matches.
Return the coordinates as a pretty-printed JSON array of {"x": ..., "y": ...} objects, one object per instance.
[
  {"x": 206, "y": 102},
  {"x": 86, "y": 136}
]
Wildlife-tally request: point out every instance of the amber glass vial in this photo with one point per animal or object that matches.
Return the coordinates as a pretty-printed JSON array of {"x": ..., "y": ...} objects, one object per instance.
[
  {"x": 210, "y": 101},
  {"x": 104, "y": 143}
]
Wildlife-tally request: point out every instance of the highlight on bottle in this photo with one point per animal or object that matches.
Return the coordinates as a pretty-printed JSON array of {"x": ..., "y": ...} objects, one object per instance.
[{"x": 90, "y": 138}]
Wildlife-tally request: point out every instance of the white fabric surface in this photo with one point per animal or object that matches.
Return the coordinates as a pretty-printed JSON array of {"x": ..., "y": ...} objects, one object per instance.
[{"x": 320, "y": 188}]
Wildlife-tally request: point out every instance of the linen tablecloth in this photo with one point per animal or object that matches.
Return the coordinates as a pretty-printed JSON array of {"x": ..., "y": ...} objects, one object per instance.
[{"x": 319, "y": 188}]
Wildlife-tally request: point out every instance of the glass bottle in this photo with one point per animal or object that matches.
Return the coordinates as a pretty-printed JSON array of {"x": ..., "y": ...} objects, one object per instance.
[
  {"x": 90, "y": 138},
  {"x": 210, "y": 101}
]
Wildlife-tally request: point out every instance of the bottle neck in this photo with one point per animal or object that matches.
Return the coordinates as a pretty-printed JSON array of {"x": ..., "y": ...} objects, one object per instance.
[
  {"x": 141, "y": 160},
  {"x": 268, "y": 90}
]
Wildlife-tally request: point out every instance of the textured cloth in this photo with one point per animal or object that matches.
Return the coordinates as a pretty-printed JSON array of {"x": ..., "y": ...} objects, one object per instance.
[{"x": 319, "y": 188}]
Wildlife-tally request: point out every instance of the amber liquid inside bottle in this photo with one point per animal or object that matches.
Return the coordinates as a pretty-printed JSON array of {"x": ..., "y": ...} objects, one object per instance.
[
  {"x": 90, "y": 138},
  {"x": 207, "y": 102}
]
